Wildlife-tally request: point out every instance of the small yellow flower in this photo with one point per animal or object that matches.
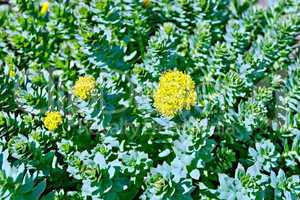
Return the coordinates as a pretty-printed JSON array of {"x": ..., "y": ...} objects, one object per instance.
[
  {"x": 52, "y": 120},
  {"x": 11, "y": 73},
  {"x": 175, "y": 92},
  {"x": 146, "y": 3},
  {"x": 84, "y": 86},
  {"x": 44, "y": 8}
]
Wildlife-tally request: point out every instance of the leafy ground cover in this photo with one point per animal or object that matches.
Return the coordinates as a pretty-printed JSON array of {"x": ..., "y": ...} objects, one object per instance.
[{"x": 150, "y": 100}]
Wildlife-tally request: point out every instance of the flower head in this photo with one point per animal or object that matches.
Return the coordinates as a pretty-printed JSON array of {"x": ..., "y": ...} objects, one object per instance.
[
  {"x": 176, "y": 91},
  {"x": 44, "y": 8},
  {"x": 52, "y": 120},
  {"x": 146, "y": 3},
  {"x": 84, "y": 86},
  {"x": 11, "y": 73}
]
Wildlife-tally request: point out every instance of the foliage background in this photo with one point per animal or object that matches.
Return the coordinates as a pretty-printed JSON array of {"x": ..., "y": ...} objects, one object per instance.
[{"x": 241, "y": 140}]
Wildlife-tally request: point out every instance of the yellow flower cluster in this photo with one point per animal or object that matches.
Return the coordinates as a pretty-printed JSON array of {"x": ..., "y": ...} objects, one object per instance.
[
  {"x": 84, "y": 86},
  {"x": 44, "y": 8},
  {"x": 146, "y": 3},
  {"x": 52, "y": 120},
  {"x": 176, "y": 91},
  {"x": 11, "y": 73}
]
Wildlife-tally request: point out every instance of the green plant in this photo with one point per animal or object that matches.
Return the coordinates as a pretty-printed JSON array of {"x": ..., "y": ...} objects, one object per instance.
[{"x": 78, "y": 86}]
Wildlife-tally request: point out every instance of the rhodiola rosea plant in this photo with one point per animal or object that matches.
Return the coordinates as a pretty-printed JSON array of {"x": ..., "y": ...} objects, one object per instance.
[{"x": 150, "y": 100}]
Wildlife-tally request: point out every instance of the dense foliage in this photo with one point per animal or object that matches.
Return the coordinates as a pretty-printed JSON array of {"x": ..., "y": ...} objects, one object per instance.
[{"x": 152, "y": 99}]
